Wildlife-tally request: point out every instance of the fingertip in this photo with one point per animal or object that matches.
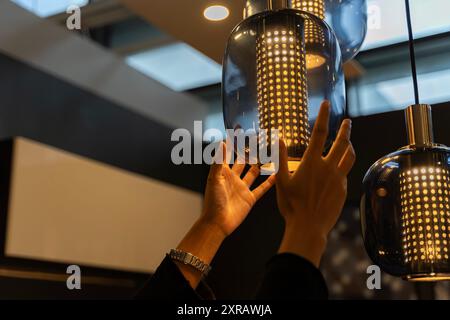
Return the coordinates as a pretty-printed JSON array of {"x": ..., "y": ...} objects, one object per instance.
[
  {"x": 220, "y": 158},
  {"x": 348, "y": 125},
  {"x": 283, "y": 150},
  {"x": 325, "y": 107},
  {"x": 320, "y": 131},
  {"x": 326, "y": 104},
  {"x": 324, "y": 112},
  {"x": 283, "y": 170},
  {"x": 223, "y": 145},
  {"x": 348, "y": 122}
]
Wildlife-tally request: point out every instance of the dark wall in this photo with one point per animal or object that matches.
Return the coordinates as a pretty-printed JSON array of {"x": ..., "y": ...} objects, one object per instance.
[{"x": 41, "y": 107}]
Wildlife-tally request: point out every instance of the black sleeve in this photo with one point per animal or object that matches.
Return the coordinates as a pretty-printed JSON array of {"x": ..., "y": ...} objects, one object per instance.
[
  {"x": 289, "y": 276},
  {"x": 168, "y": 283}
]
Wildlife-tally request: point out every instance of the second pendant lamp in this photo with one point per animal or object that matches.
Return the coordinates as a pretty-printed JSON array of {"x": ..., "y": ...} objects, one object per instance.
[
  {"x": 405, "y": 207},
  {"x": 347, "y": 18}
]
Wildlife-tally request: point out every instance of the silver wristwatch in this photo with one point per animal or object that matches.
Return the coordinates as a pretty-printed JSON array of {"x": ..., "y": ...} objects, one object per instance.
[{"x": 190, "y": 259}]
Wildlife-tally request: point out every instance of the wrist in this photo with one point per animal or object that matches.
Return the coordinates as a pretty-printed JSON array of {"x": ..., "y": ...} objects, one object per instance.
[
  {"x": 305, "y": 242},
  {"x": 213, "y": 229},
  {"x": 214, "y": 226},
  {"x": 203, "y": 241}
]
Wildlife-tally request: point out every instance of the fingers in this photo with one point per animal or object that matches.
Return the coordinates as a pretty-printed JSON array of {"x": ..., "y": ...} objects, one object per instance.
[
  {"x": 342, "y": 142},
  {"x": 219, "y": 159},
  {"x": 348, "y": 160},
  {"x": 283, "y": 170},
  {"x": 320, "y": 132},
  {"x": 239, "y": 164},
  {"x": 251, "y": 175},
  {"x": 238, "y": 168},
  {"x": 228, "y": 155},
  {"x": 264, "y": 187}
]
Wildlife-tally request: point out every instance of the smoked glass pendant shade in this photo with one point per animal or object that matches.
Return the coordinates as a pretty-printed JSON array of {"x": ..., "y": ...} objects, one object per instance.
[
  {"x": 279, "y": 66},
  {"x": 405, "y": 208},
  {"x": 347, "y": 18}
]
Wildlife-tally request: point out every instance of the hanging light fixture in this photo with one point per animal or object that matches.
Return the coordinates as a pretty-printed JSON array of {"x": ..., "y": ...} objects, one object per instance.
[
  {"x": 347, "y": 18},
  {"x": 405, "y": 207},
  {"x": 279, "y": 65}
]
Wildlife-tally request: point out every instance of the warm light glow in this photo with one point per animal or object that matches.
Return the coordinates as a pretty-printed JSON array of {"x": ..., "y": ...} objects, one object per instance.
[
  {"x": 430, "y": 278},
  {"x": 282, "y": 86},
  {"x": 316, "y": 7},
  {"x": 314, "y": 34},
  {"x": 314, "y": 61},
  {"x": 216, "y": 13},
  {"x": 425, "y": 205}
]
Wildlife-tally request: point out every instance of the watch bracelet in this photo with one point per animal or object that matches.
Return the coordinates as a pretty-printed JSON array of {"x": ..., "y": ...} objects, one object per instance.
[{"x": 189, "y": 259}]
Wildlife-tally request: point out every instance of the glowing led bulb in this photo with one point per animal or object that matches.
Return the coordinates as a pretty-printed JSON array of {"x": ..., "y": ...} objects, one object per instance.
[
  {"x": 290, "y": 89},
  {"x": 416, "y": 203}
]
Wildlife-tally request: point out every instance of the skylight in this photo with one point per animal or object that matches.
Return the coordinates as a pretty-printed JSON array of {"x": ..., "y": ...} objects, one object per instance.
[
  {"x": 396, "y": 94},
  {"x": 177, "y": 66},
  {"x": 387, "y": 21},
  {"x": 46, "y": 8}
]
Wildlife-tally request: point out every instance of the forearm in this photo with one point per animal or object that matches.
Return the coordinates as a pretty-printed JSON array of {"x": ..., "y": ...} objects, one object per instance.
[{"x": 203, "y": 241}]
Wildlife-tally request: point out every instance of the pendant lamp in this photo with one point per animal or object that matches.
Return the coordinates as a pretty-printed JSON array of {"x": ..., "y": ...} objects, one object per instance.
[
  {"x": 405, "y": 207},
  {"x": 279, "y": 65}
]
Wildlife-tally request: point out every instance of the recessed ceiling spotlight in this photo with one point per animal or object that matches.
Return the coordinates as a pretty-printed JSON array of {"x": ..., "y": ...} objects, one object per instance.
[{"x": 216, "y": 13}]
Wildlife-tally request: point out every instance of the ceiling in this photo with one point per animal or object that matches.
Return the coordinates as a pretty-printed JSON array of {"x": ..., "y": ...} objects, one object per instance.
[
  {"x": 183, "y": 19},
  {"x": 86, "y": 65}
]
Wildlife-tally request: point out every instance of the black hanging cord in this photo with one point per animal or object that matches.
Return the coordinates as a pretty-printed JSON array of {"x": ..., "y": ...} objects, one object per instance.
[{"x": 412, "y": 52}]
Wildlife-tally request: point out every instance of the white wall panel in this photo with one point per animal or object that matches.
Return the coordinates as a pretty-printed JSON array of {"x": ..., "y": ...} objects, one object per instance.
[{"x": 66, "y": 208}]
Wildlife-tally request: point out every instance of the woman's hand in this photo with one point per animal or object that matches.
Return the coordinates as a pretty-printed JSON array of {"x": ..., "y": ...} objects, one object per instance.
[
  {"x": 228, "y": 198},
  {"x": 311, "y": 199}
]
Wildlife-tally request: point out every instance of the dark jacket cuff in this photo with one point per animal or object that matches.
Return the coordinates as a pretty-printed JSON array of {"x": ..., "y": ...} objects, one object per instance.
[
  {"x": 167, "y": 283},
  {"x": 289, "y": 276}
]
